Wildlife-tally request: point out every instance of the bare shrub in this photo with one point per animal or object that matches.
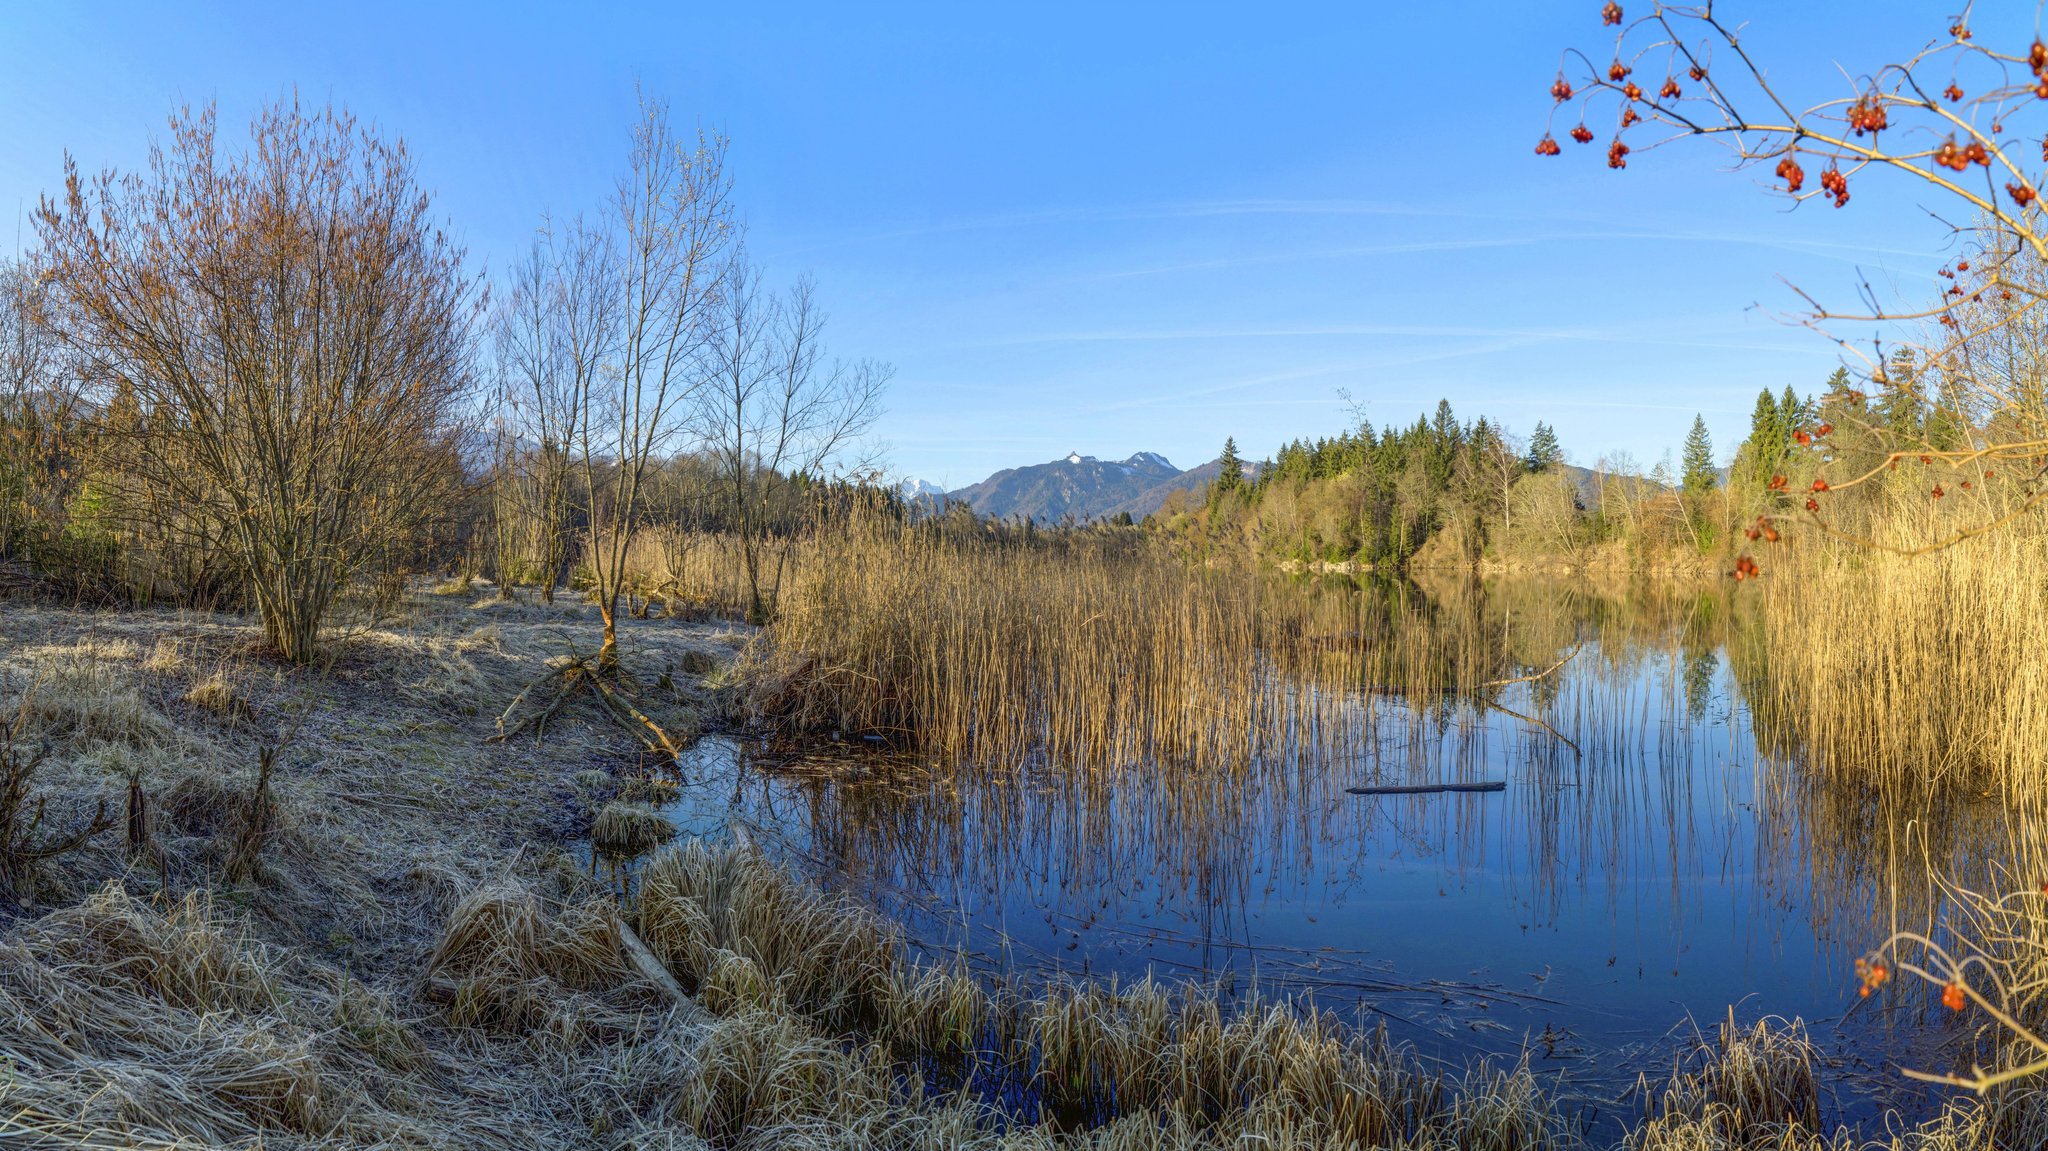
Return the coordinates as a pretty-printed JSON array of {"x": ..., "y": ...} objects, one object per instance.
[{"x": 286, "y": 332}]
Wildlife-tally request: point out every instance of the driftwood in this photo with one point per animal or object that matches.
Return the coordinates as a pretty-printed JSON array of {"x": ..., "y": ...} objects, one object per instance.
[
  {"x": 650, "y": 968},
  {"x": 1429, "y": 788}
]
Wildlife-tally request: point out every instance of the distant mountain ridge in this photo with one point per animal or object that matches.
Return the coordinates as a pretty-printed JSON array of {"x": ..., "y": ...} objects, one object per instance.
[{"x": 1083, "y": 487}]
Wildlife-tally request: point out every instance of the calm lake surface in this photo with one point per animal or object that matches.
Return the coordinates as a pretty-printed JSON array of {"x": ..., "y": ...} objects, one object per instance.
[{"x": 1646, "y": 869}]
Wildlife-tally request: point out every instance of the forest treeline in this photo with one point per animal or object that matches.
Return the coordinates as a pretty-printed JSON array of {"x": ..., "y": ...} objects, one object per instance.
[{"x": 1441, "y": 492}]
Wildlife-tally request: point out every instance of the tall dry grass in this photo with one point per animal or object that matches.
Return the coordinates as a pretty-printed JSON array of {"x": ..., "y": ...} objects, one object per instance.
[{"x": 1088, "y": 649}]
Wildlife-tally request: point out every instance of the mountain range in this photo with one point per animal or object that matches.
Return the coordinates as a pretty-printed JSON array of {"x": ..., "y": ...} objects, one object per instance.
[
  {"x": 1087, "y": 488},
  {"x": 1083, "y": 487}
]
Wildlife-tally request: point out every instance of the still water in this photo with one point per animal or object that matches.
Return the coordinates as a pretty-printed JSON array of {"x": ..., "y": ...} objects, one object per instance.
[{"x": 1646, "y": 870}]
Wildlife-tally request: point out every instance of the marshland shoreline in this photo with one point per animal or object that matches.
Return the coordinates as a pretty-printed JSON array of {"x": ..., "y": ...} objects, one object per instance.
[{"x": 409, "y": 957}]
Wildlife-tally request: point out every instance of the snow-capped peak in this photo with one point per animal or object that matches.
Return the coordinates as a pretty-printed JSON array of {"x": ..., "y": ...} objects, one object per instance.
[
  {"x": 1149, "y": 458},
  {"x": 1075, "y": 457}
]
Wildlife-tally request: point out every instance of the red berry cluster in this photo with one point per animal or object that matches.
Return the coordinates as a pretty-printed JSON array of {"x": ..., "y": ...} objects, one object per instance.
[
  {"x": 1618, "y": 71},
  {"x": 1959, "y": 159},
  {"x": 1959, "y": 30},
  {"x": 2023, "y": 196},
  {"x": 1670, "y": 90},
  {"x": 1629, "y": 117},
  {"x": 1632, "y": 91},
  {"x": 1611, "y": 14},
  {"x": 1697, "y": 73},
  {"x": 1762, "y": 529},
  {"x": 1835, "y": 184},
  {"x": 1778, "y": 483},
  {"x": 1868, "y": 114},
  {"x": 1745, "y": 568},
  {"x": 1793, "y": 175},
  {"x": 1582, "y": 134},
  {"x": 1547, "y": 146},
  {"x": 1873, "y": 973},
  {"x": 1562, "y": 89},
  {"x": 1952, "y": 996},
  {"x": 1617, "y": 155},
  {"x": 2037, "y": 59},
  {"x": 1952, "y": 92}
]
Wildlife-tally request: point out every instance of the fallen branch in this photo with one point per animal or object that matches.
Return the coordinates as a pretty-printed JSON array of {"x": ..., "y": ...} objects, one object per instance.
[
  {"x": 660, "y": 741},
  {"x": 1429, "y": 788}
]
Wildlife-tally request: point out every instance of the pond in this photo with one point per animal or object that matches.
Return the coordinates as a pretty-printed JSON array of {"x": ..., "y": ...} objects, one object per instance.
[{"x": 1646, "y": 871}]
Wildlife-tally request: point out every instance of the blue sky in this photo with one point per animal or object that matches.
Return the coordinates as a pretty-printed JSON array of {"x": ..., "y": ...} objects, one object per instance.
[{"x": 1095, "y": 227}]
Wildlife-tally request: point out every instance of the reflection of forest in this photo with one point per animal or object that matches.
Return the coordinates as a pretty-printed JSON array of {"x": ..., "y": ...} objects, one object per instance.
[{"x": 1633, "y": 762}]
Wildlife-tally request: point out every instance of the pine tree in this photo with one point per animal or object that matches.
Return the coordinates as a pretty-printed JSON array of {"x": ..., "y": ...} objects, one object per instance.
[
  {"x": 1229, "y": 469},
  {"x": 1699, "y": 475},
  {"x": 1770, "y": 438},
  {"x": 1544, "y": 452}
]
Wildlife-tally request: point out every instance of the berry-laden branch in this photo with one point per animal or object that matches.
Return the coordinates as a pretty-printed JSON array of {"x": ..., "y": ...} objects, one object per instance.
[{"x": 1947, "y": 117}]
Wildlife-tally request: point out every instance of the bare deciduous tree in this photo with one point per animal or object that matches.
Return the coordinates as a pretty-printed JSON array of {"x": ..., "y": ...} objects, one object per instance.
[
  {"x": 642, "y": 287},
  {"x": 540, "y": 399},
  {"x": 293, "y": 327},
  {"x": 771, "y": 407}
]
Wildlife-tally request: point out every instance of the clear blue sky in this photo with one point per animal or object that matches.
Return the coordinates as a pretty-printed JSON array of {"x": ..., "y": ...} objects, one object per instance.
[{"x": 1095, "y": 227}]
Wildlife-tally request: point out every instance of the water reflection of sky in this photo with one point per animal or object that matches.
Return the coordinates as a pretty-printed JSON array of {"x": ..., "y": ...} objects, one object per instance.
[{"x": 1586, "y": 915}]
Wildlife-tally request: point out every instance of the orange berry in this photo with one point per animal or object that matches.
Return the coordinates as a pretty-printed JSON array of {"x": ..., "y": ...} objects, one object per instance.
[{"x": 1952, "y": 996}]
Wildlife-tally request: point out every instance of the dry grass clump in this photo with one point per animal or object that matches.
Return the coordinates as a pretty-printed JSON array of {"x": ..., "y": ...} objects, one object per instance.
[
  {"x": 190, "y": 956},
  {"x": 217, "y": 694},
  {"x": 512, "y": 963},
  {"x": 629, "y": 829},
  {"x": 1752, "y": 1087},
  {"x": 763, "y": 1079},
  {"x": 77, "y": 695},
  {"x": 831, "y": 960},
  {"x": 124, "y": 1025}
]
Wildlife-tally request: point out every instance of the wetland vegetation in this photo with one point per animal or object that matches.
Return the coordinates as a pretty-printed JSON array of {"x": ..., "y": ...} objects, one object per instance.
[{"x": 536, "y": 726}]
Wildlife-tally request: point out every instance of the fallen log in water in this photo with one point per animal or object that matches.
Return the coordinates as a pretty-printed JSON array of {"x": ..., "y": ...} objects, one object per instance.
[{"x": 1429, "y": 788}]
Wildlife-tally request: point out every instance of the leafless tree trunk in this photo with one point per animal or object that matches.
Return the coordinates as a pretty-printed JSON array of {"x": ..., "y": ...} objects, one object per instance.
[
  {"x": 556, "y": 295},
  {"x": 635, "y": 336},
  {"x": 293, "y": 326},
  {"x": 771, "y": 408}
]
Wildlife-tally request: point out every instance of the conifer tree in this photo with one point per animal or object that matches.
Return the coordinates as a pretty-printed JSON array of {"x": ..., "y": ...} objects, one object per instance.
[
  {"x": 1229, "y": 469},
  {"x": 1544, "y": 451},
  {"x": 1699, "y": 475}
]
